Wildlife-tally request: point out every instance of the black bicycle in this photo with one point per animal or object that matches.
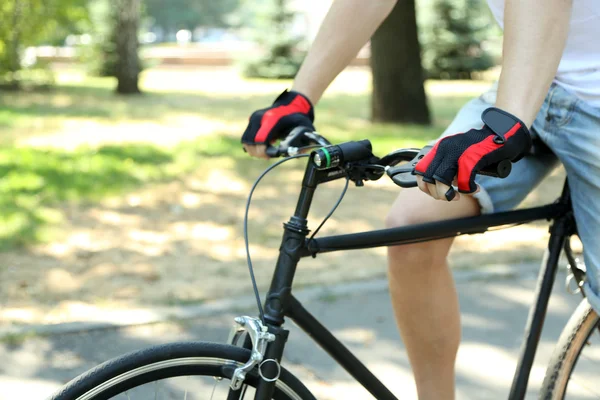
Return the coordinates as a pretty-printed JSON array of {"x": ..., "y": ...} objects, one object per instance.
[{"x": 249, "y": 366}]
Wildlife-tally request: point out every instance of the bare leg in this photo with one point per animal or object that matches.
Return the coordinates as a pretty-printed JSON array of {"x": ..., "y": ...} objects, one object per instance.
[{"x": 424, "y": 295}]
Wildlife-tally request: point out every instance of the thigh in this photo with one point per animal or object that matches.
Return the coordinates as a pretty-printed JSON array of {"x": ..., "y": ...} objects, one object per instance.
[{"x": 572, "y": 129}]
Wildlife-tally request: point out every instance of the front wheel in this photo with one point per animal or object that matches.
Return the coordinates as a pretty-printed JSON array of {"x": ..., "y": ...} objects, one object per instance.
[
  {"x": 187, "y": 371},
  {"x": 574, "y": 369}
]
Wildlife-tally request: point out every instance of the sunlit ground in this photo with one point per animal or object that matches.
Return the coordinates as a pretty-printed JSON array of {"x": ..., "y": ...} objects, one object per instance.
[{"x": 138, "y": 201}]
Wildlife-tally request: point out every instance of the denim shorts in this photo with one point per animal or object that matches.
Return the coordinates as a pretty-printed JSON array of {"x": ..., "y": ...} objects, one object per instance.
[{"x": 571, "y": 128}]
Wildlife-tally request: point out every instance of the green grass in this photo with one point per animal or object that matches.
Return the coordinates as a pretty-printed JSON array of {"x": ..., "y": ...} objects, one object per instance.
[{"x": 34, "y": 182}]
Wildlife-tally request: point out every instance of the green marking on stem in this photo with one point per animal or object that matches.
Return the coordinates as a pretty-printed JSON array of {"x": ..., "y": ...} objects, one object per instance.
[{"x": 328, "y": 156}]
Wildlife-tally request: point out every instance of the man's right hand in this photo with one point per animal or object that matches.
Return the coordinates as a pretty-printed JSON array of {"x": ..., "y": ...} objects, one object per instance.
[{"x": 290, "y": 110}]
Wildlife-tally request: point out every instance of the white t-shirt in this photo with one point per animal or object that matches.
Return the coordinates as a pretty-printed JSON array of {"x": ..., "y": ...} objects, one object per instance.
[{"x": 579, "y": 68}]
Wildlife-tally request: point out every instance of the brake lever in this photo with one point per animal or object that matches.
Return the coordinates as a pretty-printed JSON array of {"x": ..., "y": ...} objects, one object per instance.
[
  {"x": 398, "y": 156},
  {"x": 299, "y": 135},
  {"x": 402, "y": 175},
  {"x": 315, "y": 137}
]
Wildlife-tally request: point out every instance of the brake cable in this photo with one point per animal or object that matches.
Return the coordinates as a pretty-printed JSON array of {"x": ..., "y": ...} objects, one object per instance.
[
  {"x": 246, "y": 240},
  {"x": 333, "y": 209}
]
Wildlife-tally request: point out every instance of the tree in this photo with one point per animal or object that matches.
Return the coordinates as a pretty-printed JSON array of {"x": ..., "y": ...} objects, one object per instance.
[
  {"x": 26, "y": 22},
  {"x": 398, "y": 92},
  {"x": 127, "y": 68},
  {"x": 101, "y": 55},
  {"x": 173, "y": 15},
  {"x": 280, "y": 54},
  {"x": 453, "y": 36}
]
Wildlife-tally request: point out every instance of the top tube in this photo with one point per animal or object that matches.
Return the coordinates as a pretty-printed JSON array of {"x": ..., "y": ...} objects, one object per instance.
[{"x": 434, "y": 230}]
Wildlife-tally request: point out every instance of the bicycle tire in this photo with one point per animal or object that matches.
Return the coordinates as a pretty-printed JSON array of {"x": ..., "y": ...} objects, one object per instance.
[
  {"x": 572, "y": 341},
  {"x": 172, "y": 360}
]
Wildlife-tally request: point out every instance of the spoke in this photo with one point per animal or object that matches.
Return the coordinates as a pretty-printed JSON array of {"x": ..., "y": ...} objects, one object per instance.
[
  {"x": 585, "y": 387},
  {"x": 156, "y": 391},
  {"x": 186, "y": 386},
  {"x": 214, "y": 388},
  {"x": 583, "y": 384},
  {"x": 597, "y": 329},
  {"x": 591, "y": 360},
  {"x": 127, "y": 393},
  {"x": 244, "y": 392}
]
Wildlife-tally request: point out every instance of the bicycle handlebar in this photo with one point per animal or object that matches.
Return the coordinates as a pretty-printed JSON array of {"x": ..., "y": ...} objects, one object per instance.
[{"x": 330, "y": 156}]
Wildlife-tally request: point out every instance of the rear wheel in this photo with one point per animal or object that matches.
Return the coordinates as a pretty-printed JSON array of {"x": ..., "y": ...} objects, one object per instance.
[
  {"x": 186, "y": 371},
  {"x": 574, "y": 369}
]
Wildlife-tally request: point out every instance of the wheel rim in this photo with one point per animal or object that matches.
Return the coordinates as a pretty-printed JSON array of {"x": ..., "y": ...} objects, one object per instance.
[{"x": 173, "y": 363}]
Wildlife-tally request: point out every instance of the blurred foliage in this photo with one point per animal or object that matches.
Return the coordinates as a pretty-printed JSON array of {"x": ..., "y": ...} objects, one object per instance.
[
  {"x": 173, "y": 15},
  {"x": 457, "y": 38},
  {"x": 28, "y": 22},
  {"x": 101, "y": 55},
  {"x": 35, "y": 77},
  {"x": 281, "y": 51},
  {"x": 453, "y": 35}
]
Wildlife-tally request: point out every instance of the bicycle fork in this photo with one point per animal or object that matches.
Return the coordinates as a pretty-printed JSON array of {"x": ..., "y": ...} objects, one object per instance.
[{"x": 267, "y": 340}]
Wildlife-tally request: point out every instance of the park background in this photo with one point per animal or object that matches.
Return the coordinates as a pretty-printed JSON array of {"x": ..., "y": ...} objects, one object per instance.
[{"x": 122, "y": 178}]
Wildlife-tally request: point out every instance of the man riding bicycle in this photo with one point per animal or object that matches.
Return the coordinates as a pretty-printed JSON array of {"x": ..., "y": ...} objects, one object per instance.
[{"x": 549, "y": 88}]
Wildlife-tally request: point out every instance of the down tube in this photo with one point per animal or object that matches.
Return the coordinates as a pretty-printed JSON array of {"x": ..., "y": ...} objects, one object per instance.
[
  {"x": 309, "y": 324},
  {"x": 537, "y": 313}
]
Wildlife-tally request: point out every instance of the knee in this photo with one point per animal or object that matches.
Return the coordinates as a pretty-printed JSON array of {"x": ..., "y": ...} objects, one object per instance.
[
  {"x": 415, "y": 207},
  {"x": 425, "y": 254},
  {"x": 397, "y": 217},
  {"x": 406, "y": 212},
  {"x": 415, "y": 253}
]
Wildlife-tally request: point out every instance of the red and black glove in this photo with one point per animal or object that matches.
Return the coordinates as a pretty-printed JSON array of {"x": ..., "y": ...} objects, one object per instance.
[
  {"x": 502, "y": 137},
  {"x": 290, "y": 110}
]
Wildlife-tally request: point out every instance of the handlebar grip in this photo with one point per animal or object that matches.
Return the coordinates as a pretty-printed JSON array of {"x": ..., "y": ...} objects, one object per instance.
[
  {"x": 273, "y": 151},
  {"x": 499, "y": 170}
]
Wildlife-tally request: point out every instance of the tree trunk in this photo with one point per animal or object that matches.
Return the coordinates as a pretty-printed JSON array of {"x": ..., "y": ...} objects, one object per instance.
[
  {"x": 398, "y": 92},
  {"x": 128, "y": 62}
]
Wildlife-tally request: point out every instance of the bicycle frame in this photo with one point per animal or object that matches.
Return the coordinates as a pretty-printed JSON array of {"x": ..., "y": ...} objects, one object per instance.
[{"x": 280, "y": 302}]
